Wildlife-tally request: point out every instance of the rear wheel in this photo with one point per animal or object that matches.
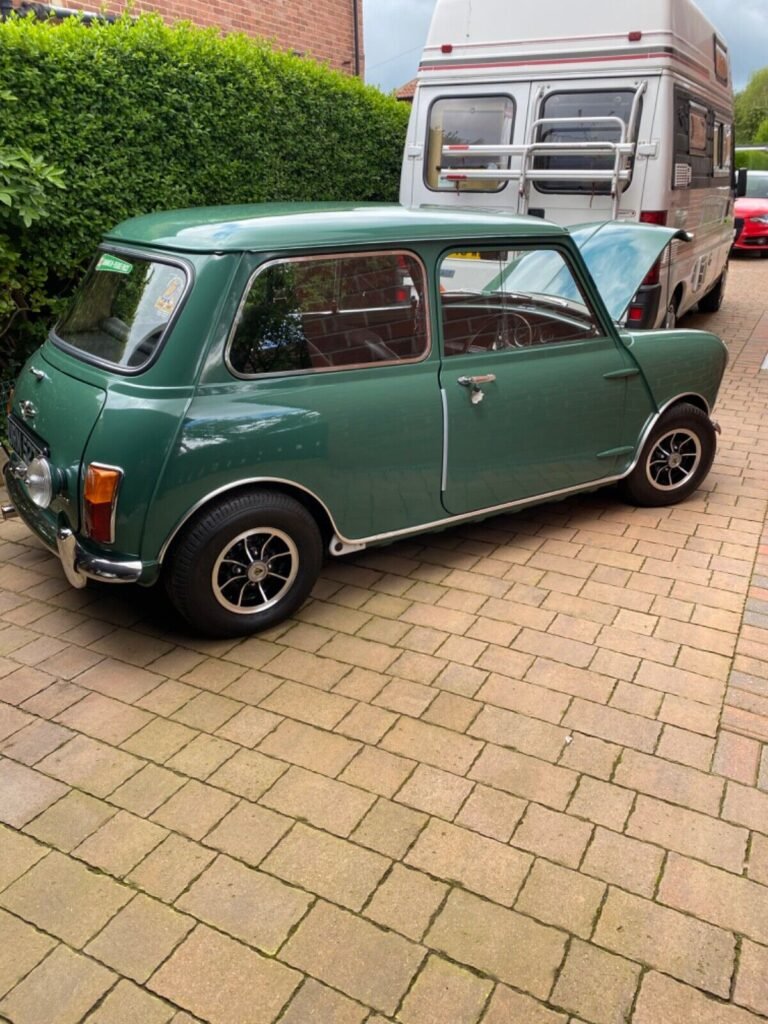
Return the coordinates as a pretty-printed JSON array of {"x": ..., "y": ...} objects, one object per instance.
[
  {"x": 713, "y": 300},
  {"x": 245, "y": 564},
  {"x": 675, "y": 458},
  {"x": 670, "y": 317}
]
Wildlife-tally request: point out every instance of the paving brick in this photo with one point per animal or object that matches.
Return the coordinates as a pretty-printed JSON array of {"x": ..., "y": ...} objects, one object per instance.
[
  {"x": 169, "y": 868},
  {"x": 22, "y": 683},
  {"x": 590, "y": 755},
  {"x": 525, "y": 698},
  {"x": 507, "y": 1006},
  {"x": 334, "y": 868},
  {"x": 624, "y": 862},
  {"x": 366, "y": 723},
  {"x": 64, "y": 898},
  {"x": 17, "y": 855},
  {"x": 325, "y": 803},
  {"x": 248, "y": 832},
  {"x": 563, "y": 898},
  {"x": 491, "y": 813},
  {"x": 686, "y": 747},
  {"x": 63, "y": 988},
  {"x": 451, "y": 711},
  {"x": 22, "y": 949},
  {"x": 389, "y": 828},
  {"x": 159, "y": 739},
  {"x": 596, "y": 985},
  {"x": 577, "y": 682},
  {"x": 716, "y": 896},
  {"x": 30, "y": 744},
  {"x": 443, "y": 992},
  {"x": 309, "y": 747},
  {"x": 601, "y": 803},
  {"x": 25, "y": 793},
  {"x": 167, "y": 698},
  {"x": 461, "y": 680},
  {"x": 679, "y": 682},
  {"x": 55, "y": 698},
  {"x": 690, "y": 833},
  {"x": 524, "y": 776},
  {"x": 676, "y": 783},
  {"x": 321, "y": 673},
  {"x": 758, "y": 859},
  {"x": 316, "y": 1002},
  {"x": 90, "y": 765},
  {"x": 120, "y": 843},
  {"x": 146, "y": 790},
  {"x": 746, "y": 806},
  {"x": 248, "y": 904},
  {"x": 207, "y": 711},
  {"x": 509, "y": 729},
  {"x": 202, "y": 756},
  {"x": 406, "y": 901},
  {"x": 432, "y": 745},
  {"x": 307, "y": 704},
  {"x": 140, "y": 937},
  {"x": 690, "y": 714},
  {"x": 104, "y": 718},
  {"x": 434, "y": 791},
  {"x": 478, "y": 863},
  {"x": 498, "y": 942},
  {"x": 547, "y": 833},
  {"x": 129, "y": 1004},
  {"x": 66, "y": 823},
  {"x": 249, "y": 726},
  {"x": 353, "y": 956},
  {"x": 662, "y": 999},
  {"x": 248, "y": 773},
  {"x": 418, "y": 669},
  {"x": 116, "y": 679},
  {"x": 377, "y": 771},
  {"x": 612, "y": 725},
  {"x": 674, "y": 943},
  {"x": 752, "y": 978},
  {"x": 220, "y": 980},
  {"x": 194, "y": 809}
]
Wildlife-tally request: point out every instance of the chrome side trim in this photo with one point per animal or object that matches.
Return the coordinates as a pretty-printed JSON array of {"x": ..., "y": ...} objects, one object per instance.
[
  {"x": 447, "y": 520},
  {"x": 444, "y": 472}
]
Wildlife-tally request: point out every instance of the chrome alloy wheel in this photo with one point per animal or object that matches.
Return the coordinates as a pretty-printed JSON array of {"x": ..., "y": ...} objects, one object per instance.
[
  {"x": 673, "y": 459},
  {"x": 255, "y": 570}
]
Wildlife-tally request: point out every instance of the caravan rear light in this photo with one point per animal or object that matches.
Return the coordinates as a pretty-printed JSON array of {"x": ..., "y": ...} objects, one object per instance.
[
  {"x": 446, "y": 48},
  {"x": 635, "y": 37},
  {"x": 654, "y": 217}
]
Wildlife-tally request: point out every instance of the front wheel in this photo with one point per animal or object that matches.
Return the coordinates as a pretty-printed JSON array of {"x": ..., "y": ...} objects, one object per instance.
[
  {"x": 675, "y": 459},
  {"x": 713, "y": 300},
  {"x": 245, "y": 564}
]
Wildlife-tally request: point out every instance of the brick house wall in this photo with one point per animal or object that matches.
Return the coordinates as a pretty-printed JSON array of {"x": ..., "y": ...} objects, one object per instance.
[{"x": 322, "y": 29}]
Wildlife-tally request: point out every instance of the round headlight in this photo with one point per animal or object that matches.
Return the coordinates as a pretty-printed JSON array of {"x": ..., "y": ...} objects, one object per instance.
[{"x": 38, "y": 481}]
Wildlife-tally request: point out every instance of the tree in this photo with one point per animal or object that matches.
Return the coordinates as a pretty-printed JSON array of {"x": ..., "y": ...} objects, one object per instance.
[{"x": 751, "y": 110}]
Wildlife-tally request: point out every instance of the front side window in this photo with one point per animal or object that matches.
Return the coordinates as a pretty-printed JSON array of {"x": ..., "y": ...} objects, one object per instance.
[
  {"x": 571, "y": 119},
  {"x": 122, "y": 310},
  {"x": 331, "y": 313},
  {"x": 511, "y": 300},
  {"x": 468, "y": 121}
]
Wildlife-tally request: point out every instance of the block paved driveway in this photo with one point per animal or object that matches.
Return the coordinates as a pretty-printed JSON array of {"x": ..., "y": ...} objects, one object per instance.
[{"x": 514, "y": 773}]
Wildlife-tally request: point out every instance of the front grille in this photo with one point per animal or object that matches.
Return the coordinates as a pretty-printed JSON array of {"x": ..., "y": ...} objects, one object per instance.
[{"x": 738, "y": 223}]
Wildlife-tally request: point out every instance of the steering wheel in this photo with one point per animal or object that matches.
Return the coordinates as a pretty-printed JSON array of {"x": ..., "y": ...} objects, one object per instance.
[{"x": 510, "y": 330}]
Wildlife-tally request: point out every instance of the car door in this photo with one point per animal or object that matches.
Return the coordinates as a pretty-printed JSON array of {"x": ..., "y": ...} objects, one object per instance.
[{"x": 535, "y": 387}]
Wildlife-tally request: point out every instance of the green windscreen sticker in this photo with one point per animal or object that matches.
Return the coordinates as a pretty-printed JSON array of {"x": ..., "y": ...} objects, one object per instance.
[{"x": 114, "y": 264}]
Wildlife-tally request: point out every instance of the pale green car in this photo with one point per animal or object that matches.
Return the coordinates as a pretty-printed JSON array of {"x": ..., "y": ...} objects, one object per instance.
[{"x": 236, "y": 392}]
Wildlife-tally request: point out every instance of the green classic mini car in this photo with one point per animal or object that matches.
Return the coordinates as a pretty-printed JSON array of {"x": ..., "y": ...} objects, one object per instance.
[{"x": 236, "y": 391}]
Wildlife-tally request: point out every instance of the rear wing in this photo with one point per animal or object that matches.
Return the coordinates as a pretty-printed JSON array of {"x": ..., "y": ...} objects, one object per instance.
[{"x": 622, "y": 152}]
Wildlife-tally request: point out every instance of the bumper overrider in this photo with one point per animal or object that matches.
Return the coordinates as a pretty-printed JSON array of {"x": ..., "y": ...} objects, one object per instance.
[{"x": 78, "y": 562}]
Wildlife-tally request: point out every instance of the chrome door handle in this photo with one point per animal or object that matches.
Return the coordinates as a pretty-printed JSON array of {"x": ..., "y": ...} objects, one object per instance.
[{"x": 475, "y": 382}]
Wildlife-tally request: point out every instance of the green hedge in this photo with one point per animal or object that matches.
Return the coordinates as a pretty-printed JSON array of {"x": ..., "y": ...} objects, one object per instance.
[
  {"x": 752, "y": 159},
  {"x": 141, "y": 116}
]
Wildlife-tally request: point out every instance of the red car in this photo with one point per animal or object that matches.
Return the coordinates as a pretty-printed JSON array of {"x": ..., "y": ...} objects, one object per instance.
[{"x": 751, "y": 215}]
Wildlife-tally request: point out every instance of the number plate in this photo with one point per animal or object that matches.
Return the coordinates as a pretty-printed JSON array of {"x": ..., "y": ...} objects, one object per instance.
[{"x": 24, "y": 442}]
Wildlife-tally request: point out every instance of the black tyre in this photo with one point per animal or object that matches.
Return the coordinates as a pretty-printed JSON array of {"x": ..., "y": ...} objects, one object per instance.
[
  {"x": 675, "y": 458},
  {"x": 670, "y": 316},
  {"x": 713, "y": 300},
  {"x": 244, "y": 564}
]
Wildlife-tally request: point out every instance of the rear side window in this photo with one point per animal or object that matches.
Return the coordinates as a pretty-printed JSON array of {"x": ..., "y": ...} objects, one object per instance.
[
  {"x": 468, "y": 121},
  {"x": 122, "y": 310},
  {"x": 575, "y": 111},
  {"x": 331, "y": 313}
]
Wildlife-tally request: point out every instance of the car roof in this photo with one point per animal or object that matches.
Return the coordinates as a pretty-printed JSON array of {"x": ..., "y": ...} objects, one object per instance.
[{"x": 270, "y": 226}]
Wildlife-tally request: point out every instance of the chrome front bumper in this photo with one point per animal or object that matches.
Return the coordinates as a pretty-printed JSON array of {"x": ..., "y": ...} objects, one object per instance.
[{"x": 79, "y": 564}]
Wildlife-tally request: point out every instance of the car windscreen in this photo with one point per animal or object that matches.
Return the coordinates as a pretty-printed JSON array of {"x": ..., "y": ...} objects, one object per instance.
[{"x": 122, "y": 310}]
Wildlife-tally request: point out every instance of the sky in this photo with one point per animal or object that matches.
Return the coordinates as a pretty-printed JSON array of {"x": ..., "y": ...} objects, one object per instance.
[{"x": 395, "y": 31}]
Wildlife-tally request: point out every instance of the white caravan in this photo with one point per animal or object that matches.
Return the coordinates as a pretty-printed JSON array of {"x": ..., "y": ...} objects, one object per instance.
[{"x": 584, "y": 110}]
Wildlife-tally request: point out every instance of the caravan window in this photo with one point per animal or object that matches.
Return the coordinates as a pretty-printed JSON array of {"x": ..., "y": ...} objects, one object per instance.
[
  {"x": 468, "y": 121},
  {"x": 585, "y": 106}
]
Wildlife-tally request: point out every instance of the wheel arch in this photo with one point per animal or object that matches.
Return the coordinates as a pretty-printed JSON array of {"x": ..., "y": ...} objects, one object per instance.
[{"x": 316, "y": 508}]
